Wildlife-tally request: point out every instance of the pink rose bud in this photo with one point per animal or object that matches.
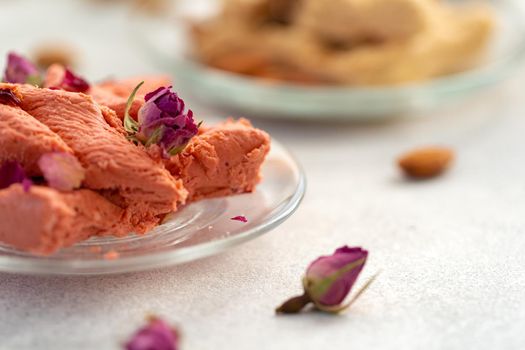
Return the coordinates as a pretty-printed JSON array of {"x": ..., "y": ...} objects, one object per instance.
[
  {"x": 156, "y": 335},
  {"x": 20, "y": 70},
  {"x": 329, "y": 280},
  {"x": 62, "y": 171},
  {"x": 162, "y": 120}
]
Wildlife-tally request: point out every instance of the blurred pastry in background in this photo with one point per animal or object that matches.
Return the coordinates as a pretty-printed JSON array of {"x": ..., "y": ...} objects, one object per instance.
[
  {"x": 150, "y": 7},
  {"x": 344, "y": 42}
]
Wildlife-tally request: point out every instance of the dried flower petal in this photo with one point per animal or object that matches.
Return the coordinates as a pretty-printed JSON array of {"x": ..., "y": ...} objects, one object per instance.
[
  {"x": 73, "y": 82},
  {"x": 240, "y": 218},
  {"x": 62, "y": 171},
  {"x": 8, "y": 97},
  {"x": 161, "y": 121},
  {"x": 26, "y": 184},
  {"x": 11, "y": 172},
  {"x": 156, "y": 335},
  {"x": 20, "y": 70}
]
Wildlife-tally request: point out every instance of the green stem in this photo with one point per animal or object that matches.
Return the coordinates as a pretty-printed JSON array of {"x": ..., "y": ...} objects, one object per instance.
[
  {"x": 294, "y": 305},
  {"x": 130, "y": 125}
]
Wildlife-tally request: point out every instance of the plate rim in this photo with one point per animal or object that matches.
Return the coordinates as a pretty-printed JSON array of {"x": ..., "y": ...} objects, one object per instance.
[{"x": 30, "y": 265}]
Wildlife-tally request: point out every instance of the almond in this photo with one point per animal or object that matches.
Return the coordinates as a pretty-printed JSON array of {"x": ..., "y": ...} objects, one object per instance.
[
  {"x": 426, "y": 162},
  {"x": 51, "y": 53}
]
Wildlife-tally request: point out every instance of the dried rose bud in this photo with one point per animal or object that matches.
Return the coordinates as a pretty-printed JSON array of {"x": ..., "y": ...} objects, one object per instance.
[
  {"x": 162, "y": 121},
  {"x": 11, "y": 172},
  {"x": 9, "y": 97},
  {"x": 20, "y": 70},
  {"x": 156, "y": 335},
  {"x": 329, "y": 280},
  {"x": 62, "y": 171}
]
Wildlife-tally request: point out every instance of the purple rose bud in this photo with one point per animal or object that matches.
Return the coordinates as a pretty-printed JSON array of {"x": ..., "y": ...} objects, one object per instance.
[
  {"x": 9, "y": 97},
  {"x": 156, "y": 335},
  {"x": 73, "y": 82},
  {"x": 20, "y": 70},
  {"x": 329, "y": 280},
  {"x": 162, "y": 121},
  {"x": 62, "y": 171},
  {"x": 11, "y": 172}
]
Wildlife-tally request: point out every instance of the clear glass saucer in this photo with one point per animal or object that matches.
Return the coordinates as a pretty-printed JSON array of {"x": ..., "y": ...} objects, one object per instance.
[
  {"x": 166, "y": 40},
  {"x": 198, "y": 230}
]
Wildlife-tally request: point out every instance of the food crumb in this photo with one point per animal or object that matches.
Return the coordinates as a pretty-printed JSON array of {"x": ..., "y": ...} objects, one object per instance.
[{"x": 111, "y": 255}]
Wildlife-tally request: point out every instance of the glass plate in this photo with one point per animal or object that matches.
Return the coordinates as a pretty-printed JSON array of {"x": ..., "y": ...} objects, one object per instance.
[
  {"x": 197, "y": 230},
  {"x": 165, "y": 39}
]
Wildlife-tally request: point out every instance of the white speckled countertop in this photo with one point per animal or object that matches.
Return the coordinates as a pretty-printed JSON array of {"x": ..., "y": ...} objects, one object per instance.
[{"x": 451, "y": 250}]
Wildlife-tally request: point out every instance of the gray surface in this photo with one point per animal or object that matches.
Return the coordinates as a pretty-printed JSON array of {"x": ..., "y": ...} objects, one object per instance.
[{"x": 451, "y": 250}]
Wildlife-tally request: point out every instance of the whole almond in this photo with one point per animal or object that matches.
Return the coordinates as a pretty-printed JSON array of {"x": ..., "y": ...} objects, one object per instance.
[
  {"x": 54, "y": 52},
  {"x": 426, "y": 162}
]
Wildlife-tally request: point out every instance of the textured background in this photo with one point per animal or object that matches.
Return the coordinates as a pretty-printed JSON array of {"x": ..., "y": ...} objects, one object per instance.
[{"x": 451, "y": 250}]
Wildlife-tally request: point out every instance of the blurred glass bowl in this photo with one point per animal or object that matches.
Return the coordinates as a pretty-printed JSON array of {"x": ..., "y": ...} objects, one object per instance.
[{"x": 166, "y": 39}]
